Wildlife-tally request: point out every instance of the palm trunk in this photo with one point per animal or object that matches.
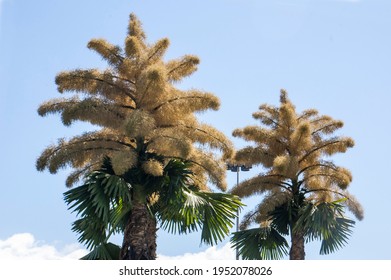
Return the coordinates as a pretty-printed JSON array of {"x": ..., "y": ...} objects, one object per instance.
[
  {"x": 139, "y": 241},
  {"x": 297, "y": 236},
  {"x": 297, "y": 247}
]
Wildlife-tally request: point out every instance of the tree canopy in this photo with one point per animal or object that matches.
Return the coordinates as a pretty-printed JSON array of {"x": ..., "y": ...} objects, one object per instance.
[
  {"x": 298, "y": 179},
  {"x": 146, "y": 128},
  {"x": 140, "y": 112}
]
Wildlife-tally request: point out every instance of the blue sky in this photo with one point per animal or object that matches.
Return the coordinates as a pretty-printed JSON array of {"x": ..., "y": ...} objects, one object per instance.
[{"x": 332, "y": 55}]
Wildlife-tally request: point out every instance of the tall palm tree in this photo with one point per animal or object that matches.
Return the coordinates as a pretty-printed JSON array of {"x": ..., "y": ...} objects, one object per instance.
[
  {"x": 304, "y": 194},
  {"x": 144, "y": 121}
]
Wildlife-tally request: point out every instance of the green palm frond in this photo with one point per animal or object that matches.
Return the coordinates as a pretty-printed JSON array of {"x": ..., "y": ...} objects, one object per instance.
[
  {"x": 119, "y": 215},
  {"x": 219, "y": 211},
  {"x": 260, "y": 243},
  {"x": 183, "y": 209},
  {"x": 104, "y": 251},
  {"x": 326, "y": 222},
  {"x": 213, "y": 213},
  {"x": 102, "y": 204},
  {"x": 284, "y": 215},
  {"x": 281, "y": 218},
  {"x": 92, "y": 231},
  {"x": 100, "y": 201}
]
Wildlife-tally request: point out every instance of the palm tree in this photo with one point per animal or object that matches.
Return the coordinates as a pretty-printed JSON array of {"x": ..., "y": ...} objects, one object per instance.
[
  {"x": 304, "y": 195},
  {"x": 143, "y": 122}
]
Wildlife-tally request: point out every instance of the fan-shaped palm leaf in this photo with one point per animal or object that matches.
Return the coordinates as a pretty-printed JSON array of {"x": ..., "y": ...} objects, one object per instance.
[
  {"x": 102, "y": 204},
  {"x": 104, "y": 251},
  {"x": 326, "y": 222},
  {"x": 260, "y": 243},
  {"x": 193, "y": 210}
]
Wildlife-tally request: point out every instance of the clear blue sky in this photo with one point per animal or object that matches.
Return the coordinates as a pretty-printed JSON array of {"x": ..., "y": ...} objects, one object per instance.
[{"x": 332, "y": 55}]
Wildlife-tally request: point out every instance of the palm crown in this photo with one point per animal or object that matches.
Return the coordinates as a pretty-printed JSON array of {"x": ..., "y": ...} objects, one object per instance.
[{"x": 140, "y": 111}]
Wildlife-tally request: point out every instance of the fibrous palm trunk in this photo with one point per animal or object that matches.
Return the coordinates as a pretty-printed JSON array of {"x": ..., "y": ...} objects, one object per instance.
[
  {"x": 297, "y": 247},
  {"x": 139, "y": 241},
  {"x": 297, "y": 236}
]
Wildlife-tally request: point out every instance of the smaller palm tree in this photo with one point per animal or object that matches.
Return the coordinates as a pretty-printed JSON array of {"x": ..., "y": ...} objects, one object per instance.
[
  {"x": 104, "y": 204},
  {"x": 304, "y": 195}
]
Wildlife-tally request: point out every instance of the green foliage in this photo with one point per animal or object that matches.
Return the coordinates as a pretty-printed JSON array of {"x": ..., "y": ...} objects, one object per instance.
[
  {"x": 104, "y": 204},
  {"x": 213, "y": 213},
  {"x": 263, "y": 243},
  {"x": 325, "y": 222},
  {"x": 104, "y": 251},
  {"x": 183, "y": 209}
]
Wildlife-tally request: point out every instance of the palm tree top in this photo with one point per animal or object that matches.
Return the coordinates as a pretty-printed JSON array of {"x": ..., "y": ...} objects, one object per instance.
[
  {"x": 140, "y": 112},
  {"x": 293, "y": 148}
]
